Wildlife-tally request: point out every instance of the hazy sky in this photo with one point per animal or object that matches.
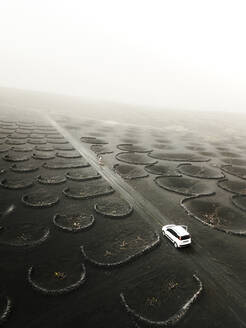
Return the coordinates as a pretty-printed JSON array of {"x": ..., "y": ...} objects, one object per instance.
[{"x": 187, "y": 54}]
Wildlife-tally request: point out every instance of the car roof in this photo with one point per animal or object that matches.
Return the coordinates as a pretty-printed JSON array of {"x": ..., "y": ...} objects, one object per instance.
[{"x": 180, "y": 230}]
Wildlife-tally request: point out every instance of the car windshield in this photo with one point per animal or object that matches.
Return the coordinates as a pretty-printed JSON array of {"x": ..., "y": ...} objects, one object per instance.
[{"x": 185, "y": 237}]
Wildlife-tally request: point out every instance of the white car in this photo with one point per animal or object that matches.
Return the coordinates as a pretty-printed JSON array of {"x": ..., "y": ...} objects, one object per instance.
[{"x": 178, "y": 234}]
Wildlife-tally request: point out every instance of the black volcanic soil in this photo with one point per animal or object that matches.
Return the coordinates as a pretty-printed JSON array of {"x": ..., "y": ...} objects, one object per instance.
[
  {"x": 234, "y": 186},
  {"x": 179, "y": 157},
  {"x": 161, "y": 169},
  {"x": 66, "y": 216},
  {"x": 113, "y": 207},
  {"x": 235, "y": 170},
  {"x": 200, "y": 171},
  {"x": 216, "y": 213},
  {"x": 134, "y": 158},
  {"x": 129, "y": 172},
  {"x": 182, "y": 185},
  {"x": 239, "y": 201},
  {"x": 134, "y": 148},
  {"x": 101, "y": 149}
]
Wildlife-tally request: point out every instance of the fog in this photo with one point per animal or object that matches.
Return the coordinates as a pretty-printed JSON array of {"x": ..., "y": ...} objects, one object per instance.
[{"x": 165, "y": 54}]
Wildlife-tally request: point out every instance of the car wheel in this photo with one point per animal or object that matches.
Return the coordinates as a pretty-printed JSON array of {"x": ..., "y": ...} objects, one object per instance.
[{"x": 175, "y": 245}]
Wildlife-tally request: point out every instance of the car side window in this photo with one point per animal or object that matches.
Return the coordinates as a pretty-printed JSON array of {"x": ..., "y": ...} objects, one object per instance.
[
  {"x": 175, "y": 234},
  {"x": 171, "y": 231}
]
